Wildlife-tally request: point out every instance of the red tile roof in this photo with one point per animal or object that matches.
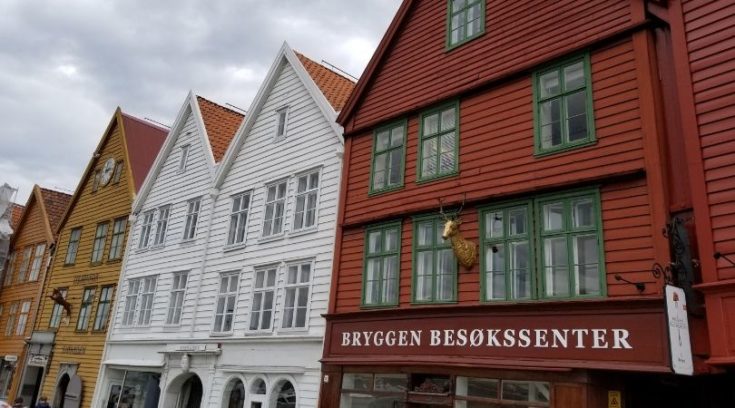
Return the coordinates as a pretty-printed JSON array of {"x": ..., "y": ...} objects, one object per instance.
[
  {"x": 221, "y": 124},
  {"x": 144, "y": 140},
  {"x": 16, "y": 212},
  {"x": 55, "y": 203},
  {"x": 335, "y": 87}
]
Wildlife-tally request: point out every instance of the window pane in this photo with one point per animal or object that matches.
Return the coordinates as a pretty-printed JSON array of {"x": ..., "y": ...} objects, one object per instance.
[
  {"x": 517, "y": 221},
  {"x": 431, "y": 124},
  {"x": 391, "y": 239},
  {"x": 520, "y": 264},
  {"x": 554, "y": 216},
  {"x": 448, "y": 119},
  {"x": 574, "y": 76},
  {"x": 382, "y": 140},
  {"x": 379, "y": 174},
  {"x": 429, "y": 153},
  {"x": 495, "y": 274},
  {"x": 526, "y": 391},
  {"x": 394, "y": 170},
  {"x": 361, "y": 382},
  {"x": 583, "y": 213},
  {"x": 557, "y": 272},
  {"x": 494, "y": 224},
  {"x": 396, "y": 136},
  {"x": 446, "y": 159},
  {"x": 445, "y": 274},
  {"x": 586, "y": 268},
  {"x": 374, "y": 242},
  {"x": 577, "y": 117},
  {"x": 390, "y": 279},
  {"x": 424, "y": 268},
  {"x": 550, "y": 123},
  {"x": 549, "y": 84},
  {"x": 477, "y": 387},
  {"x": 391, "y": 382},
  {"x": 425, "y": 233}
]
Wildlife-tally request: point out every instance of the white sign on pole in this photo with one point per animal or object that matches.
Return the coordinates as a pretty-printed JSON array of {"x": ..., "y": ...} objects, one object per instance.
[{"x": 680, "y": 345}]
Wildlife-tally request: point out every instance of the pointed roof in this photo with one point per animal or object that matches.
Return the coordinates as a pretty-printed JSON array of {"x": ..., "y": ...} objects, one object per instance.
[
  {"x": 55, "y": 203},
  {"x": 221, "y": 124},
  {"x": 335, "y": 87},
  {"x": 143, "y": 141}
]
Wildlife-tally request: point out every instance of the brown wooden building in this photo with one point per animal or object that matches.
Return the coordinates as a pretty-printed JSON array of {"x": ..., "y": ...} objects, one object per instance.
[
  {"x": 69, "y": 333},
  {"x": 21, "y": 284},
  {"x": 555, "y": 132}
]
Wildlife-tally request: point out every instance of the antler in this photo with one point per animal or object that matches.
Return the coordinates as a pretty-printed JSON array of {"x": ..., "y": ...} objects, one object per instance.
[
  {"x": 464, "y": 199},
  {"x": 441, "y": 208}
]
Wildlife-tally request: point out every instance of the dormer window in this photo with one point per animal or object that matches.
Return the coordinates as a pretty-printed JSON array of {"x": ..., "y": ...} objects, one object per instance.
[
  {"x": 466, "y": 21},
  {"x": 281, "y": 117},
  {"x": 184, "y": 157}
]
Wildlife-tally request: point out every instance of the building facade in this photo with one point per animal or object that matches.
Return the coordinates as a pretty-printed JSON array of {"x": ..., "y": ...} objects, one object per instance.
[
  {"x": 22, "y": 282},
  {"x": 512, "y": 220},
  {"x": 82, "y": 283}
]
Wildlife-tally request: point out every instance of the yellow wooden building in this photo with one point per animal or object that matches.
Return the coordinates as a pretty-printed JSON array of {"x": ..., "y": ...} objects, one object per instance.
[
  {"x": 20, "y": 289},
  {"x": 81, "y": 284}
]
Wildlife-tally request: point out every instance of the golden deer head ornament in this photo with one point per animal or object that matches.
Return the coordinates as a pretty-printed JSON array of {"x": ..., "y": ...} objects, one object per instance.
[{"x": 464, "y": 250}]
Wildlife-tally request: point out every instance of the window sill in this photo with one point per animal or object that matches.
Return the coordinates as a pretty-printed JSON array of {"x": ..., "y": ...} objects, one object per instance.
[
  {"x": 141, "y": 250},
  {"x": 221, "y": 334},
  {"x": 98, "y": 263},
  {"x": 380, "y": 306},
  {"x": 171, "y": 328},
  {"x": 187, "y": 242},
  {"x": 259, "y": 332},
  {"x": 431, "y": 179},
  {"x": 429, "y": 303},
  {"x": 157, "y": 247},
  {"x": 114, "y": 261},
  {"x": 451, "y": 47},
  {"x": 292, "y": 330},
  {"x": 271, "y": 238},
  {"x": 305, "y": 231},
  {"x": 560, "y": 150},
  {"x": 373, "y": 193},
  {"x": 233, "y": 247}
]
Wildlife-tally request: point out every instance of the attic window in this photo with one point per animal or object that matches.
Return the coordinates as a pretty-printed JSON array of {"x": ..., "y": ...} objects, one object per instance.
[
  {"x": 466, "y": 21},
  {"x": 184, "y": 157},
  {"x": 281, "y": 117},
  {"x": 117, "y": 173}
]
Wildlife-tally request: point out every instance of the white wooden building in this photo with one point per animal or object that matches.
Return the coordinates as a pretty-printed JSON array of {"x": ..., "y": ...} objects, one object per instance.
[{"x": 232, "y": 317}]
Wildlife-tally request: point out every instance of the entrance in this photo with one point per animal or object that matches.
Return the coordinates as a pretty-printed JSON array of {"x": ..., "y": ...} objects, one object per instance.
[
  {"x": 61, "y": 391},
  {"x": 191, "y": 393},
  {"x": 31, "y": 385}
]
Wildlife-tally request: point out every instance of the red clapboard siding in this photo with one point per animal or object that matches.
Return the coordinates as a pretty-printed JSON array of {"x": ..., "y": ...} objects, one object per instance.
[
  {"x": 710, "y": 37},
  {"x": 626, "y": 234},
  {"x": 418, "y": 68},
  {"x": 496, "y": 145}
]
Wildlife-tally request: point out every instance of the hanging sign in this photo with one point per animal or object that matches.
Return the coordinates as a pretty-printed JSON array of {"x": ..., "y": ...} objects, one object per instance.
[{"x": 676, "y": 313}]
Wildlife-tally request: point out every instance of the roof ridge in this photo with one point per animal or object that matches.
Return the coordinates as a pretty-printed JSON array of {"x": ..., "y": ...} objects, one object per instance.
[
  {"x": 144, "y": 122},
  {"x": 330, "y": 69},
  {"x": 220, "y": 105},
  {"x": 54, "y": 190}
]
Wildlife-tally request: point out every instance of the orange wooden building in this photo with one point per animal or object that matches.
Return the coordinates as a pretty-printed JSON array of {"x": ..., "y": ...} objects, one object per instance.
[
  {"x": 70, "y": 330},
  {"x": 22, "y": 282},
  {"x": 552, "y": 131}
]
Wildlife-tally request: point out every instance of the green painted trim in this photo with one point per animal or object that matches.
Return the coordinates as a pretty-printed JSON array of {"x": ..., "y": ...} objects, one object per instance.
[
  {"x": 81, "y": 305},
  {"x": 559, "y": 65},
  {"x": 447, "y": 43},
  {"x": 455, "y": 171},
  {"x": 382, "y": 227},
  {"x": 404, "y": 123},
  {"x": 414, "y": 251}
]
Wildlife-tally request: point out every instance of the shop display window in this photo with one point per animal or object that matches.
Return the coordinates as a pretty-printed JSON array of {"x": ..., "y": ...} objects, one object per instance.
[{"x": 373, "y": 390}]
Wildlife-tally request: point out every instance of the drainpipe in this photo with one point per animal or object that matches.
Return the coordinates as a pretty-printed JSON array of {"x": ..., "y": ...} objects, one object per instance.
[{"x": 213, "y": 194}]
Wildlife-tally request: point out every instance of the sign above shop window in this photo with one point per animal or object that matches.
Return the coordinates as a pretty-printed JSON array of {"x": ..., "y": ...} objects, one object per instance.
[
  {"x": 193, "y": 348},
  {"x": 676, "y": 313}
]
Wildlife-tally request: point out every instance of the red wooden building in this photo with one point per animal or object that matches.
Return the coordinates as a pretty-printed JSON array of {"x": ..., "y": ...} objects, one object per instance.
[{"x": 585, "y": 149}]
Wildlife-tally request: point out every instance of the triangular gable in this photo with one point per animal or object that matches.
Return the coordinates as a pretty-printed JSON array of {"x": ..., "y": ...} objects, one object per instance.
[
  {"x": 367, "y": 77},
  {"x": 189, "y": 107},
  {"x": 284, "y": 54},
  {"x": 51, "y": 204}
]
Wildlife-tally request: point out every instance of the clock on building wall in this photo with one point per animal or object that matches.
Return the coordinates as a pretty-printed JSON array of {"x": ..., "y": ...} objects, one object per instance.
[{"x": 107, "y": 170}]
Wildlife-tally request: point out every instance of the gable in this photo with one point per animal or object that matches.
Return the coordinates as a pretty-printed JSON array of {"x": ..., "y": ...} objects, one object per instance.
[
  {"x": 221, "y": 124},
  {"x": 413, "y": 69},
  {"x": 142, "y": 141}
]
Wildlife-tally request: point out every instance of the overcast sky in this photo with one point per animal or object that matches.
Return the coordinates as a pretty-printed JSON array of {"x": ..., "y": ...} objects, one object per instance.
[{"x": 66, "y": 65}]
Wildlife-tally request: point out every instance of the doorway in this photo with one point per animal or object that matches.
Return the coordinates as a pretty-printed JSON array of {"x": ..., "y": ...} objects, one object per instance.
[{"x": 191, "y": 393}]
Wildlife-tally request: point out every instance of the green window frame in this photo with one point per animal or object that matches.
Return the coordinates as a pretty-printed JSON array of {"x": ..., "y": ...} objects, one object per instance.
[
  {"x": 565, "y": 255},
  {"x": 432, "y": 283},
  {"x": 438, "y": 142},
  {"x": 85, "y": 309},
  {"x": 563, "y": 111},
  {"x": 389, "y": 157},
  {"x": 465, "y": 21},
  {"x": 382, "y": 266}
]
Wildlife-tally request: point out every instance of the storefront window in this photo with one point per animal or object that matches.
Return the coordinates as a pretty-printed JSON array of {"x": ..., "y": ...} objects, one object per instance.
[
  {"x": 286, "y": 397},
  {"x": 373, "y": 390},
  {"x": 136, "y": 390},
  {"x": 490, "y": 393},
  {"x": 236, "y": 397}
]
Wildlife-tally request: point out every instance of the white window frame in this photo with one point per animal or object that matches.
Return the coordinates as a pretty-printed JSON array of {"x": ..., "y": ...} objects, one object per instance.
[
  {"x": 193, "y": 207},
  {"x": 274, "y": 202},
  {"x": 305, "y": 195},
  {"x": 145, "y": 228},
  {"x": 184, "y": 157},
  {"x": 235, "y": 217},
  {"x": 25, "y": 310},
  {"x": 37, "y": 262},
  {"x": 263, "y": 290},
  {"x": 164, "y": 212},
  {"x": 225, "y": 296},
  {"x": 177, "y": 296},
  {"x": 281, "y": 129},
  {"x": 131, "y": 302},
  {"x": 147, "y": 296},
  {"x": 25, "y": 264},
  {"x": 297, "y": 285}
]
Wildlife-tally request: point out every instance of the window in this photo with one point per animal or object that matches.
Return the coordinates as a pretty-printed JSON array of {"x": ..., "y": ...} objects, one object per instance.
[
  {"x": 162, "y": 224},
  {"x": 382, "y": 265},
  {"x": 563, "y": 106},
  {"x": 435, "y": 267},
  {"x": 145, "y": 229},
  {"x": 96, "y": 180},
  {"x": 183, "y": 157},
  {"x": 275, "y": 205},
  {"x": 286, "y": 396},
  {"x": 103, "y": 308},
  {"x": 264, "y": 287},
  {"x": 367, "y": 390},
  {"x": 146, "y": 300},
  {"x": 192, "y": 216},
  {"x": 12, "y": 314},
  {"x": 118, "y": 239},
  {"x": 439, "y": 147},
  {"x": 25, "y": 263},
  {"x": 10, "y": 269},
  {"x": 486, "y": 392},
  {"x": 131, "y": 302},
  {"x": 236, "y": 394},
  {"x": 388, "y": 152},
  {"x": 507, "y": 253},
  {"x": 567, "y": 231},
  {"x": 37, "y": 262},
  {"x": 58, "y": 311},
  {"x": 25, "y": 308},
  {"x": 281, "y": 118},
  {"x": 117, "y": 173},
  {"x": 307, "y": 193},
  {"x": 238, "y": 218},
  {"x": 296, "y": 303},
  {"x": 98, "y": 248},
  {"x": 85, "y": 310},
  {"x": 466, "y": 21},
  {"x": 225, "y": 312},
  {"x": 176, "y": 299},
  {"x": 71, "y": 250}
]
